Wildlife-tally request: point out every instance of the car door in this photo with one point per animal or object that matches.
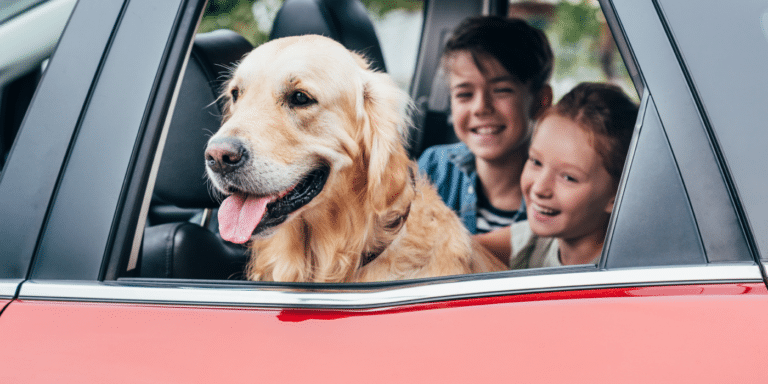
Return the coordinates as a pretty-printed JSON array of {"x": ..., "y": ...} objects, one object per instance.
[{"x": 677, "y": 297}]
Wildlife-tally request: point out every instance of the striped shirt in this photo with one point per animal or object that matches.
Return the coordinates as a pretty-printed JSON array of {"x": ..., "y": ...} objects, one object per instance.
[{"x": 490, "y": 217}]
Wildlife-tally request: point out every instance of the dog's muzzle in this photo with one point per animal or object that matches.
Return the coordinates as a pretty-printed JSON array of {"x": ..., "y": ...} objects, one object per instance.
[
  {"x": 225, "y": 155},
  {"x": 244, "y": 214}
]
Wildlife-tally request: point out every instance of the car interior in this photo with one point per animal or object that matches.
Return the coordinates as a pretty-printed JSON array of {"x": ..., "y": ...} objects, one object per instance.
[
  {"x": 180, "y": 239},
  {"x": 173, "y": 245}
]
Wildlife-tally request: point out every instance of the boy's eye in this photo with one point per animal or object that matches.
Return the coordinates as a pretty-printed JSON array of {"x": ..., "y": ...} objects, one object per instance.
[
  {"x": 534, "y": 161},
  {"x": 463, "y": 95},
  {"x": 504, "y": 90},
  {"x": 570, "y": 178}
]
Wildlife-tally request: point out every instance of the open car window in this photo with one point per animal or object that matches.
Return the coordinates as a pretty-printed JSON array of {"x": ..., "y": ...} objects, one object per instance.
[
  {"x": 657, "y": 222},
  {"x": 584, "y": 51}
]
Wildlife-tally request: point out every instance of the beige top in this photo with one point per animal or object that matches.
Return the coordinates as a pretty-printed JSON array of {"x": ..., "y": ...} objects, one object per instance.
[{"x": 531, "y": 251}]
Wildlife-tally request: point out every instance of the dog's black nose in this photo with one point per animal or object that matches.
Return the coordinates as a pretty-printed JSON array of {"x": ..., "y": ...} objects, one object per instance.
[{"x": 225, "y": 155}]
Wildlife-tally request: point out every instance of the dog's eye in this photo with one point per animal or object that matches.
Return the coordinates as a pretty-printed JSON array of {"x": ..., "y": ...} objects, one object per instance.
[
  {"x": 235, "y": 94},
  {"x": 299, "y": 99}
]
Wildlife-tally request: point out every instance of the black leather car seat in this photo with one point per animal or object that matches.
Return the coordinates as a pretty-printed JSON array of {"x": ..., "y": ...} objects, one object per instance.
[
  {"x": 184, "y": 249},
  {"x": 345, "y": 21}
]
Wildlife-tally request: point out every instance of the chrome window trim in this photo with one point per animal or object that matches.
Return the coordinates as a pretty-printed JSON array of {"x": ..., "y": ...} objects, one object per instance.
[
  {"x": 8, "y": 288},
  {"x": 188, "y": 294}
]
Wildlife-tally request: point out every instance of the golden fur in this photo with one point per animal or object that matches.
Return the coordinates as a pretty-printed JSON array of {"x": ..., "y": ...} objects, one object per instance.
[{"x": 356, "y": 125}]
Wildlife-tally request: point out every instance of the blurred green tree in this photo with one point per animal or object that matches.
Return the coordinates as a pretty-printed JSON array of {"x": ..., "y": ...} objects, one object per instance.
[
  {"x": 382, "y": 7},
  {"x": 237, "y": 15}
]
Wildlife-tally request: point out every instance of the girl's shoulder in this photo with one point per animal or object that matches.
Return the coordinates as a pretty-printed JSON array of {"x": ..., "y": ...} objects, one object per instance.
[{"x": 529, "y": 250}]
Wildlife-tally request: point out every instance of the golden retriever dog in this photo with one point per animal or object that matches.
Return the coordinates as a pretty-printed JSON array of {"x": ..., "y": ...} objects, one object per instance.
[{"x": 312, "y": 160}]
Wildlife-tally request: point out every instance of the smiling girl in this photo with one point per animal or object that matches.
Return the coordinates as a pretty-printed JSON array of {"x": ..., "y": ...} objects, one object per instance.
[{"x": 569, "y": 180}]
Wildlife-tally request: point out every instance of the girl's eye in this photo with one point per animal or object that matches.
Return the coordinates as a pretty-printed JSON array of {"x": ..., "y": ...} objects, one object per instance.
[
  {"x": 299, "y": 99},
  {"x": 570, "y": 178},
  {"x": 235, "y": 94},
  {"x": 534, "y": 161}
]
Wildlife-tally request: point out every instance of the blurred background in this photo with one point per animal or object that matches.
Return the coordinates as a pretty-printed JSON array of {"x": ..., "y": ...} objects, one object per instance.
[{"x": 583, "y": 47}]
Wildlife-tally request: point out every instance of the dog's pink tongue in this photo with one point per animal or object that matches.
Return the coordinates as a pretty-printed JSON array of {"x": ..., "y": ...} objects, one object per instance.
[{"x": 239, "y": 215}]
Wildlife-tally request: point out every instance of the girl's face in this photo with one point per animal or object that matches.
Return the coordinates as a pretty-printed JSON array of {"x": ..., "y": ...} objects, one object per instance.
[
  {"x": 490, "y": 110},
  {"x": 569, "y": 193}
]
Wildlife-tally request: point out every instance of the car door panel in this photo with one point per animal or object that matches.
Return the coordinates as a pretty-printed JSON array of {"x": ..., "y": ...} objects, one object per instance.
[
  {"x": 625, "y": 334},
  {"x": 3, "y": 303}
]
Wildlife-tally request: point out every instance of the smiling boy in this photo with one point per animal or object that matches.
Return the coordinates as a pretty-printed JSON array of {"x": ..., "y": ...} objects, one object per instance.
[{"x": 498, "y": 71}]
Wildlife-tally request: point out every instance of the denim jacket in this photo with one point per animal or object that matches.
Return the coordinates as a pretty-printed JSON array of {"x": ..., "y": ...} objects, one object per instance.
[{"x": 451, "y": 168}]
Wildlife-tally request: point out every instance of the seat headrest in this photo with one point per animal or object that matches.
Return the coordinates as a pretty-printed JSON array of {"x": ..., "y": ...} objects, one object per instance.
[
  {"x": 345, "y": 21},
  {"x": 181, "y": 178}
]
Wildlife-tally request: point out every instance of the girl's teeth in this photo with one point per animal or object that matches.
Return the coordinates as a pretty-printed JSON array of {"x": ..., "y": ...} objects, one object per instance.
[{"x": 546, "y": 211}]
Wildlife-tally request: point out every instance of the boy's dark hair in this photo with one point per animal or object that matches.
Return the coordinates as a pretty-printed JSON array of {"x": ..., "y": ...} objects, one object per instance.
[
  {"x": 607, "y": 114},
  {"x": 521, "y": 49}
]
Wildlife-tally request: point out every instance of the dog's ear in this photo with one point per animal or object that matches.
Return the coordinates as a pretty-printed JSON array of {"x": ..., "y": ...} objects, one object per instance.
[{"x": 385, "y": 109}]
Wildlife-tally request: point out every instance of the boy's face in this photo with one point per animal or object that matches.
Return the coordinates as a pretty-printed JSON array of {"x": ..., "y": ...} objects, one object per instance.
[
  {"x": 569, "y": 193},
  {"x": 490, "y": 110}
]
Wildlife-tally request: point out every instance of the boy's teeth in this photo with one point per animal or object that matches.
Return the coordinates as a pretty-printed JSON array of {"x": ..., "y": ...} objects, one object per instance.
[{"x": 486, "y": 130}]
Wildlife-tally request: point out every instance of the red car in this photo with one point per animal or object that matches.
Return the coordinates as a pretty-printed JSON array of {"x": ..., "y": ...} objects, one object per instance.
[{"x": 111, "y": 270}]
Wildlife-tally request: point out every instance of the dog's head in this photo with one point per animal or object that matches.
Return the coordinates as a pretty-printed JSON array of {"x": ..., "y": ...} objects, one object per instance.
[{"x": 302, "y": 111}]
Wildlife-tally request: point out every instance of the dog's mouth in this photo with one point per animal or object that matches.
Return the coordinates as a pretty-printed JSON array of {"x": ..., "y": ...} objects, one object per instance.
[{"x": 243, "y": 214}]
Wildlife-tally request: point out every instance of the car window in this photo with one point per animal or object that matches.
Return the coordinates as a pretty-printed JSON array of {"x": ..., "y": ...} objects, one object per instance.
[
  {"x": 636, "y": 240},
  {"x": 582, "y": 42},
  {"x": 29, "y": 31},
  {"x": 584, "y": 51}
]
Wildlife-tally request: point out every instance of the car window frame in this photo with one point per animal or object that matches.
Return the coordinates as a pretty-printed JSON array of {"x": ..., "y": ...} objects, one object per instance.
[
  {"x": 725, "y": 120},
  {"x": 141, "y": 95},
  {"x": 30, "y": 181},
  {"x": 107, "y": 287},
  {"x": 659, "y": 68}
]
